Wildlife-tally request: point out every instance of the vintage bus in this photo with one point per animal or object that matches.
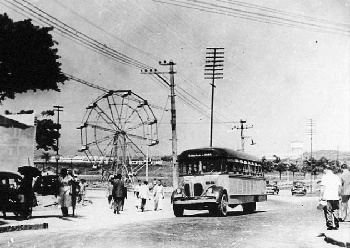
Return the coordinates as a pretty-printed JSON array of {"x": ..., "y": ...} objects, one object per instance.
[{"x": 215, "y": 178}]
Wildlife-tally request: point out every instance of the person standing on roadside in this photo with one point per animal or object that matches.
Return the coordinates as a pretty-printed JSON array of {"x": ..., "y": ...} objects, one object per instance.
[
  {"x": 345, "y": 192},
  {"x": 65, "y": 199},
  {"x": 118, "y": 193},
  {"x": 109, "y": 192},
  {"x": 137, "y": 194},
  {"x": 158, "y": 196},
  {"x": 82, "y": 192},
  {"x": 125, "y": 196},
  {"x": 144, "y": 195},
  {"x": 330, "y": 192}
]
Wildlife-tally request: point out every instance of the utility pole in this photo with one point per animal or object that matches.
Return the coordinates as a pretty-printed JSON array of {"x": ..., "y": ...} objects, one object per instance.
[
  {"x": 173, "y": 113},
  {"x": 241, "y": 127},
  {"x": 58, "y": 109},
  {"x": 214, "y": 63},
  {"x": 311, "y": 132}
]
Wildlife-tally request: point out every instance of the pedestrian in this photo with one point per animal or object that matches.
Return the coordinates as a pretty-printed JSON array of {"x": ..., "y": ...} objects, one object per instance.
[
  {"x": 64, "y": 199},
  {"x": 154, "y": 183},
  {"x": 125, "y": 196},
  {"x": 330, "y": 192},
  {"x": 118, "y": 193},
  {"x": 158, "y": 196},
  {"x": 144, "y": 195},
  {"x": 109, "y": 192},
  {"x": 137, "y": 194},
  {"x": 27, "y": 196},
  {"x": 74, "y": 190},
  {"x": 345, "y": 192},
  {"x": 82, "y": 191}
]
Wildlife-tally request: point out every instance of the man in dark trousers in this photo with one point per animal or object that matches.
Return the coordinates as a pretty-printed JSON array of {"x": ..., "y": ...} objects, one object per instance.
[
  {"x": 330, "y": 191},
  {"x": 345, "y": 193},
  {"x": 118, "y": 193}
]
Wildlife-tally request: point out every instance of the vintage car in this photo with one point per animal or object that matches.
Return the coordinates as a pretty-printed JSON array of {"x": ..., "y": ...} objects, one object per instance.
[
  {"x": 47, "y": 185},
  {"x": 272, "y": 189},
  {"x": 298, "y": 188},
  {"x": 16, "y": 191},
  {"x": 11, "y": 195}
]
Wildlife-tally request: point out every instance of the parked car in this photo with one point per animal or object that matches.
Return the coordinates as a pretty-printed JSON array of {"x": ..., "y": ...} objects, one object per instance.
[
  {"x": 15, "y": 196},
  {"x": 47, "y": 185},
  {"x": 298, "y": 188},
  {"x": 272, "y": 189}
]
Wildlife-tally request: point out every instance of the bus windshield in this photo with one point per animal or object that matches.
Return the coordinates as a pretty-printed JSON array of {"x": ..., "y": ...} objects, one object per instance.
[{"x": 192, "y": 167}]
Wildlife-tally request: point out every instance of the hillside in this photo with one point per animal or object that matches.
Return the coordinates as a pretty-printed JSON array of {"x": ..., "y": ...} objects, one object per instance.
[{"x": 330, "y": 155}]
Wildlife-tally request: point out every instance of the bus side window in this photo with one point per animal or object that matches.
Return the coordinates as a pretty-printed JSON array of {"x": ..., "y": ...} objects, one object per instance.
[
  {"x": 240, "y": 168},
  {"x": 230, "y": 166}
]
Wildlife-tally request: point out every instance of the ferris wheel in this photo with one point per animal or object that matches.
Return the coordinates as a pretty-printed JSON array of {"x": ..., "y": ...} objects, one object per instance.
[{"x": 117, "y": 126}]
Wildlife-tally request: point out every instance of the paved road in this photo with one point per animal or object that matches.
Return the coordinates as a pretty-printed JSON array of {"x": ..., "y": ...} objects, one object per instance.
[{"x": 283, "y": 221}]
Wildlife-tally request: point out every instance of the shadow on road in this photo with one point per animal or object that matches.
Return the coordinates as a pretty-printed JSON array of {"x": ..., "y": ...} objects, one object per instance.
[{"x": 233, "y": 213}]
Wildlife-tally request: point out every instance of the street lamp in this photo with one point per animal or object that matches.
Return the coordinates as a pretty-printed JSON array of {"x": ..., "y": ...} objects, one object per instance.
[{"x": 57, "y": 157}]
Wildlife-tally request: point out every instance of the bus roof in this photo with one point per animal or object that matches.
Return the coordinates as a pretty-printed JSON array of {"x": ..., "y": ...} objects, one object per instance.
[{"x": 216, "y": 152}]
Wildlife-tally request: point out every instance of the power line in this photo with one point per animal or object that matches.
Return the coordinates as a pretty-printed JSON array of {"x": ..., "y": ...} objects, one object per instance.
[
  {"x": 254, "y": 16},
  {"x": 78, "y": 36},
  {"x": 105, "y": 31}
]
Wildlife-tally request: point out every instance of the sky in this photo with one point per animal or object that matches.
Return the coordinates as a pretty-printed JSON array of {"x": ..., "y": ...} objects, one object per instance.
[{"x": 276, "y": 77}]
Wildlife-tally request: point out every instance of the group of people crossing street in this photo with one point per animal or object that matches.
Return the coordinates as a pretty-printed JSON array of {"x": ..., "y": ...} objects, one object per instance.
[{"x": 116, "y": 193}]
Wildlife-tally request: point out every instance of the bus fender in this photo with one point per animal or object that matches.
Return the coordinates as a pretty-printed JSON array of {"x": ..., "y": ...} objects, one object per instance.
[{"x": 218, "y": 191}]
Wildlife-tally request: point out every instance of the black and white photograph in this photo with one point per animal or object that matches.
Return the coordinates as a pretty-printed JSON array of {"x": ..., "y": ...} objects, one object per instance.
[{"x": 174, "y": 123}]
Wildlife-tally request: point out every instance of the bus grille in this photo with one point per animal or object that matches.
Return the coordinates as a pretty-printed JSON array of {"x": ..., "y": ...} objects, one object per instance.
[{"x": 198, "y": 189}]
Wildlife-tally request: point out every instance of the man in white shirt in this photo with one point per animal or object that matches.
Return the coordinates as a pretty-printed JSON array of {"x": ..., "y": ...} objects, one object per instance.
[
  {"x": 330, "y": 191},
  {"x": 144, "y": 195},
  {"x": 158, "y": 194}
]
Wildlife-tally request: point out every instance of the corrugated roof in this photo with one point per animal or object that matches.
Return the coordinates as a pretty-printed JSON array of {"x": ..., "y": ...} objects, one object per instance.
[
  {"x": 27, "y": 119},
  {"x": 9, "y": 122}
]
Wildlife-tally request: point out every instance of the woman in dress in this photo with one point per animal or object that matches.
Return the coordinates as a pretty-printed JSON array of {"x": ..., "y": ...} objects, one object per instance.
[{"x": 65, "y": 199}]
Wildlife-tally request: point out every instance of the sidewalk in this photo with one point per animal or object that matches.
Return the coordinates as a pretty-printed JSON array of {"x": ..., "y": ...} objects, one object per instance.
[{"x": 95, "y": 214}]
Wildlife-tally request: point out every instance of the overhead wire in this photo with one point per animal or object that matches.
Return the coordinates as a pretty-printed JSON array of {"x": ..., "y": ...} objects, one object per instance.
[
  {"x": 75, "y": 34},
  {"x": 263, "y": 18},
  {"x": 106, "y": 32},
  {"x": 285, "y": 13},
  {"x": 93, "y": 44}
]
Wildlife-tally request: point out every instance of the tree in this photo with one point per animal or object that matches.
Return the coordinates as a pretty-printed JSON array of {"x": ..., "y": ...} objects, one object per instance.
[
  {"x": 47, "y": 134},
  {"x": 267, "y": 166},
  {"x": 28, "y": 60},
  {"x": 293, "y": 168},
  {"x": 280, "y": 167}
]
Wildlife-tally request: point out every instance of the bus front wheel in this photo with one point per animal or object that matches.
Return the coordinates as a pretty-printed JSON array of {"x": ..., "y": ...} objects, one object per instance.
[
  {"x": 221, "y": 208},
  {"x": 249, "y": 207},
  {"x": 178, "y": 211}
]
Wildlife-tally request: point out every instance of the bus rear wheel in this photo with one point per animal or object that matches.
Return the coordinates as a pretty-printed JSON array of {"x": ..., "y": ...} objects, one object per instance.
[
  {"x": 249, "y": 207},
  {"x": 178, "y": 211}
]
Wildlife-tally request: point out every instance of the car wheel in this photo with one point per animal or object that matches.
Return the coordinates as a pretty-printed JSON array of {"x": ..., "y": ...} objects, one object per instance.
[
  {"x": 178, "y": 211},
  {"x": 249, "y": 207}
]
